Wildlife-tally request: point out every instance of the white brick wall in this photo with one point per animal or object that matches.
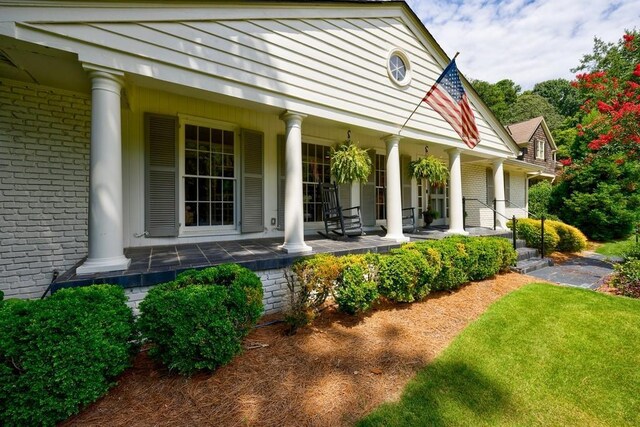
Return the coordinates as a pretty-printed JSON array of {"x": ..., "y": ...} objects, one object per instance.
[
  {"x": 474, "y": 186},
  {"x": 44, "y": 161},
  {"x": 274, "y": 286}
]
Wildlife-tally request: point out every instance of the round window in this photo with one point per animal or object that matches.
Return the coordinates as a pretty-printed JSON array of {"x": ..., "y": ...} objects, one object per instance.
[{"x": 399, "y": 68}]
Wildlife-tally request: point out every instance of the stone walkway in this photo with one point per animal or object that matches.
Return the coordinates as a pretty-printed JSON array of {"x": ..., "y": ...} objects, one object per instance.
[{"x": 586, "y": 271}]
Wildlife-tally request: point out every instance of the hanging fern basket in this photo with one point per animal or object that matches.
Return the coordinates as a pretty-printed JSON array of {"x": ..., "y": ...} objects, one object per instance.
[{"x": 350, "y": 163}]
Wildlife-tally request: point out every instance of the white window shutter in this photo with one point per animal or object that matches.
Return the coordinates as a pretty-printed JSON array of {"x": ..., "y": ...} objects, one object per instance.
[
  {"x": 161, "y": 173},
  {"x": 252, "y": 181}
]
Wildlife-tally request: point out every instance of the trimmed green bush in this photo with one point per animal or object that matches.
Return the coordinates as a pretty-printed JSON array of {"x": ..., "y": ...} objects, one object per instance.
[
  {"x": 405, "y": 275},
  {"x": 632, "y": 253},
  {"x": 317, "y": 275},
  {"x": 508, "y": 256},
  {"x": 571, "y": 239},
  {"x": 454, "y": 266},
  {"x": 199, "y": 320},
  {"x": 61, "y": 353},
  {"x": 529, "y": 229},
  {"x": 627, "y": 278},
  {"x": 356, "y": 286}
]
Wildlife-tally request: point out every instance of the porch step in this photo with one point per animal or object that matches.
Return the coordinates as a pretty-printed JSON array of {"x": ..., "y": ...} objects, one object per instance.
[
  {"x": 532, "y": 264},
  {"x": 525, "y": 253},
  {"x": 520, "y": 243}
]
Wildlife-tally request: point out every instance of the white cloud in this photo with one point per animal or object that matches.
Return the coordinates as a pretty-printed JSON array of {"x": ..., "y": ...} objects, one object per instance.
[{"x": 527, "y": 41}]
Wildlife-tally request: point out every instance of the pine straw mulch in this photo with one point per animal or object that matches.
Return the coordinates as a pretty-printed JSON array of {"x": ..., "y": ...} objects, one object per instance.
[{"x": 329, "y": 374}]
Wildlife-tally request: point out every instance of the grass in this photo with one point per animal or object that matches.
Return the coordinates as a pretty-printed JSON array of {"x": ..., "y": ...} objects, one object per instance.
[
  {"x": 543, "y": 355},
  {"x": 616, "y": 248}
]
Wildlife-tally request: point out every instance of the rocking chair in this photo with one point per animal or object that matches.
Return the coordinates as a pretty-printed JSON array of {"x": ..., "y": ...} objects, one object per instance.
[
  {"x": 408, "y": 221},
  {"x": 338, "y": 221}
]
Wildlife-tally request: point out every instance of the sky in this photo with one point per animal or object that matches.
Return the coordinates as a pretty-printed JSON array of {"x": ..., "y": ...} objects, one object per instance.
[{"x": 527, "y": 41}]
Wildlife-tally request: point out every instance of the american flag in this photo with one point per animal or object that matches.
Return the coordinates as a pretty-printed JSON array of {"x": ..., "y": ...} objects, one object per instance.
[{"x": 448, "y": 98}]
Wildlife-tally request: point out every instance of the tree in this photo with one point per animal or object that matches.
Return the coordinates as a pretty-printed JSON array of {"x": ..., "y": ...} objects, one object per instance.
[
  {"x": 530, "y": 105},
  {"x": 560, "y": 94},
  {"x": 599, "y": 190},
  {"x": 498, "y": 96}
]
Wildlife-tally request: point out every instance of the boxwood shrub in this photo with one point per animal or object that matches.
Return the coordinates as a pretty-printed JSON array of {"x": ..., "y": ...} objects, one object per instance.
[
  {"x": 405, "y": 275},
  {"x": 627, "y": 278},
  {"x": 571, "y": 239},
  {"x": 199, "y": 320},
  {"x": 529, "y": 229},
  {"x": 356, "y": 287},
  {"x": 61, "y": 353}
]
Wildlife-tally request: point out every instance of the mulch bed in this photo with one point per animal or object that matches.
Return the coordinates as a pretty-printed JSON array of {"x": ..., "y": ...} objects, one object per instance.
[{"x": 329, "y": 374}]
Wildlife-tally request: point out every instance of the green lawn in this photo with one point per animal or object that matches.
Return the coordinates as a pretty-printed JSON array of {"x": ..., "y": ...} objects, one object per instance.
[
  {"x": 616, "y": 248},
  {"x": 543, "y": 355}
]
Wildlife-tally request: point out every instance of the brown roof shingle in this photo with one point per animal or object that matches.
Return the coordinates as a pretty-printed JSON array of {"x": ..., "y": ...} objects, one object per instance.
[{"x": 522, "y": 131}]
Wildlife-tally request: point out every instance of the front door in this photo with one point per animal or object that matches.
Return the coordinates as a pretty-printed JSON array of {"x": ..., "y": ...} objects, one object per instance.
[{"x": 439, "y": 204}]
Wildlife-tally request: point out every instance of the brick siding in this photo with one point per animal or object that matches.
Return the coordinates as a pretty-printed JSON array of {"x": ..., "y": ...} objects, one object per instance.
[{"x": 44, "y": 175}]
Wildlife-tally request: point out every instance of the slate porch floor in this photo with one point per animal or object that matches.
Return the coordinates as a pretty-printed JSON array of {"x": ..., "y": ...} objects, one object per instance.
[{"x": 158, "y": 264}]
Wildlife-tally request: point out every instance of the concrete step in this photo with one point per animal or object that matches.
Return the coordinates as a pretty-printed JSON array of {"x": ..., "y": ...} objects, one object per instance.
[
  {"x": 526, "y": 253},
  {"x": 520, "y": 243},
  {"x": 533, "y": 264}
]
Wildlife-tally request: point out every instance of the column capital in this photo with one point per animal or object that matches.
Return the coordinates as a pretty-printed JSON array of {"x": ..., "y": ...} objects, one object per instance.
[
  {"x": 104, "y": 78},
  {"x": 454, "y": 150},
  {"x": 391, "y": 138},
  {"x": 292, "y": 116},
  {"x": 497, "y": 162}
]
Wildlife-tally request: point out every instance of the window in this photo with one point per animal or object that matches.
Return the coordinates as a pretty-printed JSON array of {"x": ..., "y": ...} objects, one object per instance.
[
  {"x": 490, "y": 186},
  {"x": 539, "y": 149},
  {"x": 209, "y": 177},
  {"x": 316, "y": 168},
  {"x": 380, "y": 181},
  {"x": 399, "y": 67}
]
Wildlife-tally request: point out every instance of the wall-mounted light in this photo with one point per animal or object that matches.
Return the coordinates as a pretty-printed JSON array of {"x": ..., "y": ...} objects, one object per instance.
[{"x": 426, "y": 149}]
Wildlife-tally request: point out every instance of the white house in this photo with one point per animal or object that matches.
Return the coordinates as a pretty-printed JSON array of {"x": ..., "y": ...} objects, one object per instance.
[{"x": 138, "y": 124}]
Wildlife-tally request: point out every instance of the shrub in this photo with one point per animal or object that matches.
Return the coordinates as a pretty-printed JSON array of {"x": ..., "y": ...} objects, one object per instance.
[
  {"x": 540, "y": 198},
  {"x": 356, "y": 286},
  {"x": 507, "y": 255},
  {"x": 632, "y": 253},
  {"x": 627, "y": 278},
  {"x": 528, "y": 230},
  {"x": 404, "y": 275},
  {"x": 454, "y": 266},
  {"x": 317, "y": 276},
  {"x": 61, "y": 353},
  {"x": 199, "y": 320},
  {"x": 571, "y": 239},
  {"x": 1, "y": 297}
]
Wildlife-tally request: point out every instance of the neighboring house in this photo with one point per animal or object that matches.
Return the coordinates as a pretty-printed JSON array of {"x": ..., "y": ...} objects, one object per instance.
[
  {"x": 537, "y": 147},
  {"x": 132, "y": 125}
]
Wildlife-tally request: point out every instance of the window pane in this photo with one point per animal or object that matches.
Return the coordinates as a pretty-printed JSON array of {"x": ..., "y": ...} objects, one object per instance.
[
  {"x": 191, "y": 162},
  {"x": 203, "y": 190},
  {"x": 227, "y": 213},
  {"x": 204, "y": 139},
  {"x": 203, "y": 214},
  {"x": 216, "y": 190},
  {"x": 227, "y": 190},
  {"x": 204, "y": 166},
  {"x": 216, "y": 214},
  {"x": 190, "y": 189},
  {"x": 216, "y": 140},
  {"x": 228, "y": 169},
  {"x": 191, "y": 137},
  {"x": 190, "y": 214},
  {"x": 228, "y": 142}
]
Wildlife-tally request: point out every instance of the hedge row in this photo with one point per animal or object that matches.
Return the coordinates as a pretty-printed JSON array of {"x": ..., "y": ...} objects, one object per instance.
[
  {"x": 404, "y": 275},
  {"x": 558, "y": 236},
  {"x": 61, "y": 353}
]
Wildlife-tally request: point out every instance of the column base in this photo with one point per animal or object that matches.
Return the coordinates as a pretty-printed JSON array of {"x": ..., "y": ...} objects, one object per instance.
[
  {"x": 101, "y": 265},
  {"x": 295, "y": 248},
  {"x": 398, "y": 238},
  {"x": 459, "y": 231}
]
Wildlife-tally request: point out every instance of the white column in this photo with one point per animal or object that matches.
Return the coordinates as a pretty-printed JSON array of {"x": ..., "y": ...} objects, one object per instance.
[
  {"x": 393, "y": 194},
  {"x": 498, "y": 193},
  {"x": 106, "y": 240},
  {"x": 293, "y": 207},
  {"x": 456, "y": 215}
]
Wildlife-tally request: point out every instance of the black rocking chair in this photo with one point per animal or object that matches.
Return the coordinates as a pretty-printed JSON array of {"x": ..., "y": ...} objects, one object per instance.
[
  {"x": 338, "y": 221},
  {"x": 408, "y": 220}
]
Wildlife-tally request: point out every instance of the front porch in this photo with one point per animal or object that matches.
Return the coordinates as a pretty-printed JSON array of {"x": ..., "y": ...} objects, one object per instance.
[{"x": 152, "y": 265}]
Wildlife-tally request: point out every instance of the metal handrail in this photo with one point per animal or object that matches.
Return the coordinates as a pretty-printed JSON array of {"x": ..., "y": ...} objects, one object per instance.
[
  {"x": 521, "y": 208},
  {"x": 495, "y": 212}
]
